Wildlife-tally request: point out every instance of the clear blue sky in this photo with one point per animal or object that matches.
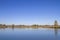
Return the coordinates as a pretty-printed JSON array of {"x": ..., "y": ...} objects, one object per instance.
[{"x": 29, "y": 11}]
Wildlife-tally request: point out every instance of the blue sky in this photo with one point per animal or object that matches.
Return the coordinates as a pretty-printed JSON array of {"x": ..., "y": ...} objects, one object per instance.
[{"x": 29, "y": 12}]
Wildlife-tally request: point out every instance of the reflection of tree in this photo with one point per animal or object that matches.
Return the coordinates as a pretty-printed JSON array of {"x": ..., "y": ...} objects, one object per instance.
[{"x": 56, "y": 31}]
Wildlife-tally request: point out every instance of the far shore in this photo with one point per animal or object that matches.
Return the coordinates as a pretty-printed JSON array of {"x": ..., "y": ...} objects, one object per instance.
[{"x": 29, "y": 26}]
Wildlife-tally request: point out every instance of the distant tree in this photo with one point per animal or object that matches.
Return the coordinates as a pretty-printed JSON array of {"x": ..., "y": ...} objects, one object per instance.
[{"x": 12, "y": 25}]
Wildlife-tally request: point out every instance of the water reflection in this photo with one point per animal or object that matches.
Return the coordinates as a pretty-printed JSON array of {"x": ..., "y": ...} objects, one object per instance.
[
  {"x": 56, "y": 31},
  {"x": 40, "y": 33}
]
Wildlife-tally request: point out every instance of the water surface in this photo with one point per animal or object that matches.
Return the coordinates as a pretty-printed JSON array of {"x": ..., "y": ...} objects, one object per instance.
[{"x": 29, "y": 34}]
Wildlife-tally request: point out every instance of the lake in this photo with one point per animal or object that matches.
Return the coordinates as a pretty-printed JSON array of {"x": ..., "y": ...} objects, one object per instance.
[{"x": 29, "y": 34}]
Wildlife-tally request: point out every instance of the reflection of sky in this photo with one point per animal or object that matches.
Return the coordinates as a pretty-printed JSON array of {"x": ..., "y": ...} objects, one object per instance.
[
  {"x": 29, "y": 11},
  {"x": 17, "y": 33}
]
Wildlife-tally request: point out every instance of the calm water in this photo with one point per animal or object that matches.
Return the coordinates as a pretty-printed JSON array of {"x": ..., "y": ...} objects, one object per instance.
[{"x": 29, "y": 34}]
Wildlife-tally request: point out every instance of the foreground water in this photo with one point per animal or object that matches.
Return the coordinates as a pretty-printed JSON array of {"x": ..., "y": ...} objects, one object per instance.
[{"x": 29, "y": 34}]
